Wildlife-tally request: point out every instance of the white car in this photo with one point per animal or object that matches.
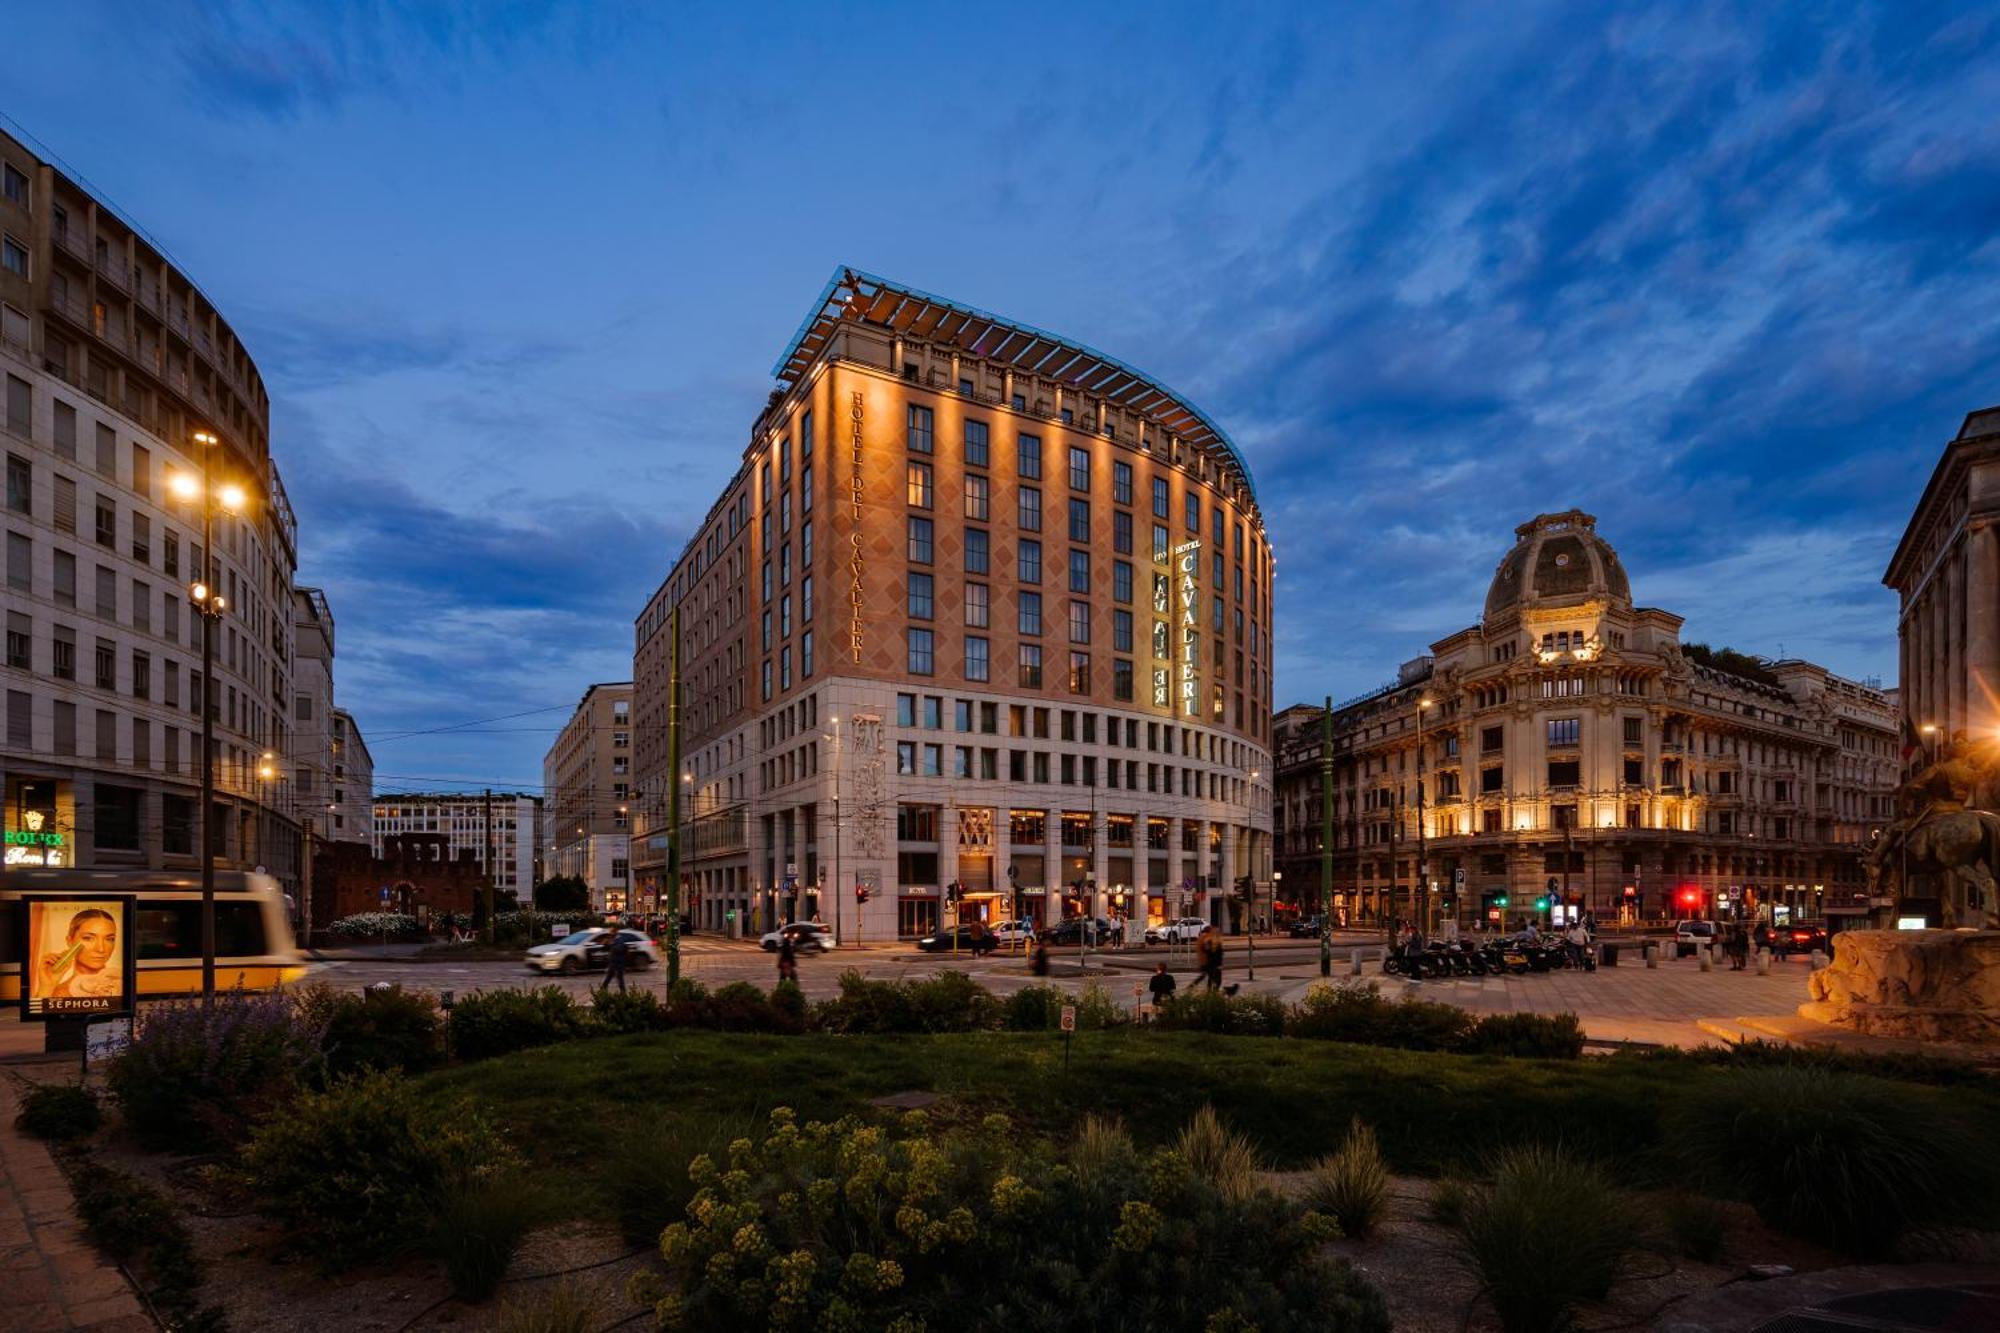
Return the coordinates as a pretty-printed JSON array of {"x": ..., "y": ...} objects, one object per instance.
[
  {"x": 1692, "y": 936},
  {"x": 1014, "y": 932},
  {"x": 1176, "y": 932},
  {"x": 803, "y": 934},
  {"x": 590, "y": 950}
]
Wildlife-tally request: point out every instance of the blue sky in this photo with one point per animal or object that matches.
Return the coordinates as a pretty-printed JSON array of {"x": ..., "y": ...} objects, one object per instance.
[{"x": 515, "y": 273}]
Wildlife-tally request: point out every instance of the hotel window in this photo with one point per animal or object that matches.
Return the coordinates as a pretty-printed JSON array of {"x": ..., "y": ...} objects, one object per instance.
[
  {"x": 1563, "y": 772},
  {"x": 1194, "y": 514},
  {"x": 1079, "y": 571},
  {"x": 1121, "y": 532},
  {"x": 806, "y": 653},
  {"x": 785, "y": 669},
  {"x": 20, "y": 641},
  {"x": 921, "y": 652},
  {"x": 806, "y": 488},
  {"x": 976, "y": 498},
  {"x": 1031, "y": 562},
  {"x": 1635, "y": 772},
  {"x": 806, "y": 600},
  {"x": 1159, "y": 497},
  {"x": 1217, "y": 526},
  {"x": 977, "y": 553},
  {"x": 1121, "y": 631},
  {"x": 1215, "y": 565},
  {"x": 13, "y": 256},
  {"x": 918, "y": 429},
  {"x": 20, "y": 476},
  {"x": 1079, "y": 469},
  {"x": 766, "y": 645},
  {"x": 1564, "y": 730},
  {"x": 975, "y": 444},
  {"x": 1491, "y": 739},
  {"x": 1030, "y": 613},
  {"x": 1079, "y": 621},
  {"x": 919, "y": 489},
  {"x": 1121, "y": 483},
  {"x": 1121, "y": 581},
  {"x": 1121, "y": 679},
  {"x": 906, "y": 758},
  {"x": 978, "y": 607},
  {"x": 1079, "y": 673},
  {"x": 976, "y": 661},
  {"x": 1031, "y": 666},
  {"x": 1491, "y": 779},
  {"x": 1162, "y": 551},
  {"x": 1634, "y": 730},
  {"x": 785, "y": 564},
  {"x": 767, "y": 581},
  {"x": 785, "y": 616},
  {"x": 933, "y": 761},
  {"x": 919, "y": 598},
  {"x": 1029, "y": 509},
  {"x": 920, "y": 541},
  {"x": 906, "y": 710},
  {"x": 784, "y": 458},
  {"x": 1028, "y": 456},
  {"x": 1079, "y": 520},
  {"x": 785, "y": 512},
  {"x": 107, "y": 522},
  {"x": 16, "y": 186},
  {"x": 805, "y": 439}
]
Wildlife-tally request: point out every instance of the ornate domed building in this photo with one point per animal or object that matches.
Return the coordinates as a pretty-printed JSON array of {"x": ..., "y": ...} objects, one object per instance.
[{"x": 1567, "y": 750}]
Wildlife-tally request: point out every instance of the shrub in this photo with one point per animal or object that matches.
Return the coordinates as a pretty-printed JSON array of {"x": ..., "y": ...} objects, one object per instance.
[
  {"x": 570, "y": 1307},
  {"x": 789, "y": 1003},
  {"x": 1696, "y": 1227},
  {"x": 477, "y": 1223},
  {"x": 195, "y": 1076},
  {"x": 59, "y": 1111},
  {"x": 629, "y": 1011},
  {"x": 854, "y": 1226},
  {"x": 1033, "y": 1009},
  {"x": 364, "y": 926},
  {"x": 742, "y": 1007},
  {"x": 1447, "y": 1202},
  {"x": 1096, "y": 1009},
  {"x": 383, "y": 1028},
  {"x": 1205, "y": 1010},
  {"x": 687, "y": 990},
  {"x": 650, "y": 1189},
  {"x": 948, "y": 1002},
  {"x": 1546, "y": 1234},
  {"x": 1541, "y": 1036},
  {"x": 1352, "y": 1185},
  {"x": 1360, "y": 1014},
  {"x": 143, "y": 1229},
  {"x": 522, "y": 929},
  {"x": 353, "y": 1173},
  {"x": 488, "y": 1023},
  {"x": 1226, "y": 1160},
  {"x": 1851, "y": 1162}
]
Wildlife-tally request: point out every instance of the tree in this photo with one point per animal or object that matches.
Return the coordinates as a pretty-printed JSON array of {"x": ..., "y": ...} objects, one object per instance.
[{"x": 563, "y": 893}]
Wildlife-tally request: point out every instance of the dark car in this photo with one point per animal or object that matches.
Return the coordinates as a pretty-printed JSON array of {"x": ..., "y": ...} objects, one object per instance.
[
  {"x": 1802, "y": 938},
  {"x": 1078, "y": 930},
  {"x": 1306, "y": 927},
  {"x": 972, "y": 937}
]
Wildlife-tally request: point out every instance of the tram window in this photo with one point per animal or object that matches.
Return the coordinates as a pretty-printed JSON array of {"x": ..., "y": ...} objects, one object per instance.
[{"x": 173, "y": 929}]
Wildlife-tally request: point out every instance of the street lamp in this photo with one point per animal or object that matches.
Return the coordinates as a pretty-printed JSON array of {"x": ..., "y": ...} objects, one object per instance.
[{"x": 209, "y": 605}]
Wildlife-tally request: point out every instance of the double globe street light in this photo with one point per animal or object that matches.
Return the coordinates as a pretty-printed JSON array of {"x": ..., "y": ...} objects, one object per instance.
[{"x": 209, "y": 604}]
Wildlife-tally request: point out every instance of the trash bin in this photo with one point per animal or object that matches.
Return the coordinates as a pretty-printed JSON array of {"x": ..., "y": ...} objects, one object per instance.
[{"x": 1607, "y": 955}]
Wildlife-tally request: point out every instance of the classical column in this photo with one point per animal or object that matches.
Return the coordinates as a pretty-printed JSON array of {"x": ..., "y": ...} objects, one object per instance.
[
  {"x": 1982, "y": 628},
  {"x": 1229, "y": 872},
  {"x": 1202, "y": 868}
]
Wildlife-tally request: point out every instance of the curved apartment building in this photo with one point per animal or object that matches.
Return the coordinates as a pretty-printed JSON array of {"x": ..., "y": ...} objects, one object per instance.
[
  {"x": 983, "y": 616},
  {"x": 112, "y": 361}
]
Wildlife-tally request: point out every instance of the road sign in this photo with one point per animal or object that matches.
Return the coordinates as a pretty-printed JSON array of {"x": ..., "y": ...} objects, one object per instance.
[
  {"x": 1069, "y": 1018},
  {"x": 791, "y": 870}
]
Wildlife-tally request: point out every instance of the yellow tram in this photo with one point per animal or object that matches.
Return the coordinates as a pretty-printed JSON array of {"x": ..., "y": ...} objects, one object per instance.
[{"x": 254, "y": 949}]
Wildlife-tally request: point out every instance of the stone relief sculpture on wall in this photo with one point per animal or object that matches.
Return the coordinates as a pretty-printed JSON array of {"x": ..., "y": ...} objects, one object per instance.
[
  {"x": 1945, "y": 840},
  {"x": 872, "y": 793}
]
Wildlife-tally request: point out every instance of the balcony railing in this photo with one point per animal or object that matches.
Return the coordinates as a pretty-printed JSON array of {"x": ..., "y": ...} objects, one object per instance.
[{"x": 116, "y": 271}]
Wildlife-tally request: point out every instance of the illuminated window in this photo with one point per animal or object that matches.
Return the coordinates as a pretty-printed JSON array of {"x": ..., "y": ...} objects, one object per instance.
[
  {"x": 976, "y": 498},
  {"x": 919, "y": 487}
]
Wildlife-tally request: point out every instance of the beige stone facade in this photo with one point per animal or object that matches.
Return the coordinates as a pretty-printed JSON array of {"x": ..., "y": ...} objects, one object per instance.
[
  {"x": 111, "y": 361},
  {"x": 1568, "y": 738},
  {"x": 978, "y": 599},
  {"x": 586, "y": 795},
  {"x": 1946, "y": 571}
]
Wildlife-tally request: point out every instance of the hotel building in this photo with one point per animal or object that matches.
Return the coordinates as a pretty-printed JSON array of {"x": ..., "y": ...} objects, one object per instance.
[
  {"x": 586, "y": 796},
  {"x": 112, "y": 361},
  {"x": 983, "y": 620},
  {"x": 1568, "y": 748}
]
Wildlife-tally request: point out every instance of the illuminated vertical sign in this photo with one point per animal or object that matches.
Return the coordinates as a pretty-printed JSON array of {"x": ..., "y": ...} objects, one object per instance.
[
  {"x": 1162, "y": 639},
  {"x": 1187, "y": 567},
  {"x": 854, "y": 626}
]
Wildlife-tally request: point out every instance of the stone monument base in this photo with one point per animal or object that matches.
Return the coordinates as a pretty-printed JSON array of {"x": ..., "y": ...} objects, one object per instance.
[{"x": 1931, "y": 985}]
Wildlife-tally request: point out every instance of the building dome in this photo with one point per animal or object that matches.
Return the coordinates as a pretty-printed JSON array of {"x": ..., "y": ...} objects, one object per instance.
[{"x": 1558, "y": 560}]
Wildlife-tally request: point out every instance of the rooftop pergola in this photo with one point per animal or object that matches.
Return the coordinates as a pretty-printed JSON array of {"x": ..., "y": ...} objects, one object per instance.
[{"x": 853, "y": 296}]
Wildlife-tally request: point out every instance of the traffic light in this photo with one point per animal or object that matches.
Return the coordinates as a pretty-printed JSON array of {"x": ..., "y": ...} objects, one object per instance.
[
  {"x": 1501, "y": 901},
  {"x": 1541, "y": 904},
  {"x": 861, "y": 893}
]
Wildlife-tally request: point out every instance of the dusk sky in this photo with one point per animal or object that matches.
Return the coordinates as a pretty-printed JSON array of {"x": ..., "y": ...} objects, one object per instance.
[{"x": 515, "y": 275}]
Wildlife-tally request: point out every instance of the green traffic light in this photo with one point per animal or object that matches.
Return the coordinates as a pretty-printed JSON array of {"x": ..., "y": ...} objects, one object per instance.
[
  {"x": 1501, "y": 901},
  {"x": 1541, "y": 904}
]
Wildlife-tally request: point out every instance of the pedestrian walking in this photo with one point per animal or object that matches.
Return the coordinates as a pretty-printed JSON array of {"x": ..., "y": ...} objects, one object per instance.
[
  {"x": 788, "y": 961},
  {"x": 614, "y": 960},
  {"x": 1208, "y": 950},
  {"x": 1038, "y": 962},
  {"x": 1161, "y": 984},
  {"x": 1737, "y": 945}
]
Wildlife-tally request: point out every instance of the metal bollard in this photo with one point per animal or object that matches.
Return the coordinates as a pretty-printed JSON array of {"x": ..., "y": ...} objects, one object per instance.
[
  {"x": 1652, "y": 955},
  {"x": 1763, "y": 962},
  {"x": 1707, "y": 959},
  {"x": 1354, "y": 961}
]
